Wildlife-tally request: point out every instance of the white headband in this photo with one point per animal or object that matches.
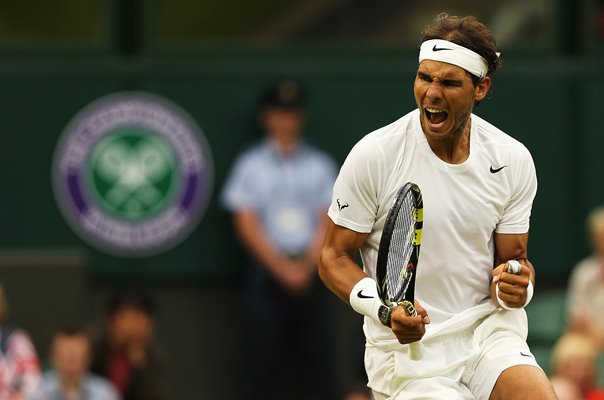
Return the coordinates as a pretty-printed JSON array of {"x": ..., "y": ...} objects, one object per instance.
[{"x": 451, "y": 53}]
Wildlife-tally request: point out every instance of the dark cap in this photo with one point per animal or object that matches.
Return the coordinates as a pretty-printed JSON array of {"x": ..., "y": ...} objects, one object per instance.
[{"x": 284, "y": 94}]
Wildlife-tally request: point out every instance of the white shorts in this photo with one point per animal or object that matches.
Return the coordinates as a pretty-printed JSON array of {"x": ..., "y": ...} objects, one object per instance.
[{"x": 464, "y": 365}]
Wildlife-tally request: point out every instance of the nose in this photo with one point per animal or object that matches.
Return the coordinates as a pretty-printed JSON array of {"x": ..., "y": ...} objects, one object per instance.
[{"x": 434, "y": 91}]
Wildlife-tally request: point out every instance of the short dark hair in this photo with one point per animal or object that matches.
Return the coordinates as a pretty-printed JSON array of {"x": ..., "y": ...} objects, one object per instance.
[
  {"x": 138, "y": 301},
  {"x": 71, "y": 331},
  {"x": 468, "y": 32}
]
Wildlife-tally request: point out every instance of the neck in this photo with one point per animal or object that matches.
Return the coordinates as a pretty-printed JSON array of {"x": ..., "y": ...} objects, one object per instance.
[
  {"x": 71, "y": 386},
  {"x": 455, "y": 148},
  {"x": 285, "y": 148}
]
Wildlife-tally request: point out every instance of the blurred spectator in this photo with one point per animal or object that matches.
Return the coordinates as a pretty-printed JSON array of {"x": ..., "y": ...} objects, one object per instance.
[
  {"x": 574, "y": 362},
  {"x": 358, "y": 392},
  {"x": 518, "y": 22},
  {"x": 19, "y": 364},
  {"x": 586, "y": 288},
  {"x": 278, "y": 192},
  {"x": 565, "y": 389},
  {"x": 69, "y": 379},
  {"x": 124, "y": 352}
]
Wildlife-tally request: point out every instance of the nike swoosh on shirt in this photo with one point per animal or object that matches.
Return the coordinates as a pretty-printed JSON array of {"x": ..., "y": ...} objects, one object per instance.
[
  {"x": 360, "y": 295},
  {"x": 495, "y": 170}
]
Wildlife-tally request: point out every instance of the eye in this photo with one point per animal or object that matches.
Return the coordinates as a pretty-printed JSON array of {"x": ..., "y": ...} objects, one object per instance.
[
  {"x": 448, "y": 82},
  {"x": 424, "y": 77}
]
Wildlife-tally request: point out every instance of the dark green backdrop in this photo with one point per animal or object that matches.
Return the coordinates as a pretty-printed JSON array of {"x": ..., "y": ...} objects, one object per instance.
[{"x": 552, "y": 105}]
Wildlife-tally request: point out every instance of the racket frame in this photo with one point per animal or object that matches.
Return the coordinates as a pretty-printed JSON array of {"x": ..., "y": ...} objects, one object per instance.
[{"x": 408, "y": 296}]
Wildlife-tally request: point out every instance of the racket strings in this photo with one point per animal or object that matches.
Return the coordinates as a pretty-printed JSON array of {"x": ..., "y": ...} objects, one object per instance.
[{"x": 401, "y": 249}]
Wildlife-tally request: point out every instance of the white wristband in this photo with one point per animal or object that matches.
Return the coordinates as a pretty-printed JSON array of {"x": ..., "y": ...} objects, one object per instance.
[
  {"x": 364, "y": 298},
  {"x": 529, "y": 295}
]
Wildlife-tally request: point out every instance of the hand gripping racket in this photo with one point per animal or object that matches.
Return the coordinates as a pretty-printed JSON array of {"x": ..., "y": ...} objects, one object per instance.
[{"x": 398, "y": 253}]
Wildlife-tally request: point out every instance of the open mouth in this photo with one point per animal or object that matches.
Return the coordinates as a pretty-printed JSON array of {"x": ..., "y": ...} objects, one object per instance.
[{"x": 436, "y": 116}]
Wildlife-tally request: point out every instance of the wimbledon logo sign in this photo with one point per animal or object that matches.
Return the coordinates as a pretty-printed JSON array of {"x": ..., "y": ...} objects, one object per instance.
[{"x": 132, "y": 174}]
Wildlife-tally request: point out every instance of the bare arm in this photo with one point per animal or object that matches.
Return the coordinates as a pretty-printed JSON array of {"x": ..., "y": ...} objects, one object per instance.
[
  {"x": 337, "y": 266},
  {"x": 340, "y": 273},
  {"x": 512, "y": 288}
]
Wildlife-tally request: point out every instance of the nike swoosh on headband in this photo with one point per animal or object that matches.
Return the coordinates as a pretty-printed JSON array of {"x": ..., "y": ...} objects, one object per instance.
[{"x": 439, "y": 48}]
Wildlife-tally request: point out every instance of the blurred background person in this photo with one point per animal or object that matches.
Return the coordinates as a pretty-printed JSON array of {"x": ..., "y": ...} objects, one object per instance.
[
  {"x": 354, "y": 57},
  {"x": 515, "y": 20},
  {"x": 125, "y": 353},
  {"x": 19, "y": 364},
  {"x": 278, "y": 192},
  {"x": 565, "y": 389},
  {"x": 574, "y": 363},
  {"x": 69, "y": 378},
  {"x": 358, "y": 392},
  {"x": 586, "y": 286}
]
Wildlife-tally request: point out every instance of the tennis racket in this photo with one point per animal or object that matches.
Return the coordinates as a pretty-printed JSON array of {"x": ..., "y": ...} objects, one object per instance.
[{"x": 398, "y": 253}]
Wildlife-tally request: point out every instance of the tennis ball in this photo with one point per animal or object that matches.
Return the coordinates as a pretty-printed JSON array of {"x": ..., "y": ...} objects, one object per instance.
[{"x": 514, "y": 267}]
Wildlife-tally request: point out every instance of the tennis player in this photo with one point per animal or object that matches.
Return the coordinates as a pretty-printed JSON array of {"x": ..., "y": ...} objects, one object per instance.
[{"x": 478, "y": 186}]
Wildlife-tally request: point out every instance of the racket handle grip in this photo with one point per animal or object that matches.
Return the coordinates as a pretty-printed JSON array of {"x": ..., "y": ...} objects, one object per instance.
[
  {"x": 415, "y": 347},
  {"x": 409, "y": 307}
]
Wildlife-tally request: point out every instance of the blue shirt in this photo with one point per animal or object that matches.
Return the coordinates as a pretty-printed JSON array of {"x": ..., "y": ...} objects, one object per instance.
[
  {"x": 288, "y": 193},
  {"x": 93, "y": 388}
]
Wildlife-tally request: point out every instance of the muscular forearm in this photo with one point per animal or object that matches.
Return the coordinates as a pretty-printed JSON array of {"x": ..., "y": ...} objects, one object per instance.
[
  {"x": 339, "y": 272},
  {"x": 337, "y": 266}
]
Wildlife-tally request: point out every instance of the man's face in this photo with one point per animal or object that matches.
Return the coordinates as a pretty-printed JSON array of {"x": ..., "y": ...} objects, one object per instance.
[
  {"x": 445, "y": 96},
  {"x": 283, "y": 124},
  {"x": 129, "y": 325},
  {"x": 70, "y": 355},
  {"x": 580, "y": 369}
]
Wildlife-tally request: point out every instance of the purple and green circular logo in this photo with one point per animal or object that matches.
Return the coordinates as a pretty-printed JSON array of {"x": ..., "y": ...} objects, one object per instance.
[{"x": 132, "y": 174}]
